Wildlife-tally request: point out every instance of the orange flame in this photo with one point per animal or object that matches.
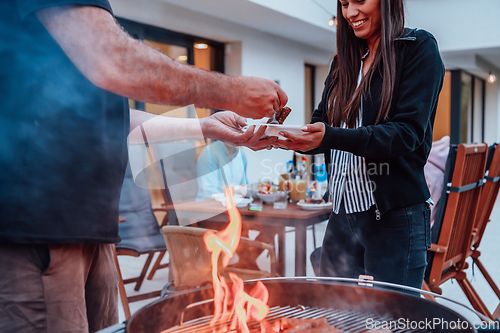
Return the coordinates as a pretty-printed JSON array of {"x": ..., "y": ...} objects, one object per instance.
[{"x": 232, "y": 300}]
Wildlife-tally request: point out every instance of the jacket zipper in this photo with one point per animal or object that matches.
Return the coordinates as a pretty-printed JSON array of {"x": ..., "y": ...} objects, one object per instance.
[{"x": 378, "y": 216}]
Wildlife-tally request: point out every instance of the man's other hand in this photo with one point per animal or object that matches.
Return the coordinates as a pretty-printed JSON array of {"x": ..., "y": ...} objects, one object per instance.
[{"x": 228, "y": 127}]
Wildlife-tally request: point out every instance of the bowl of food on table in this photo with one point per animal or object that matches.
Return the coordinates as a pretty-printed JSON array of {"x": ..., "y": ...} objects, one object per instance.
[{"x": 269, "y": 193}]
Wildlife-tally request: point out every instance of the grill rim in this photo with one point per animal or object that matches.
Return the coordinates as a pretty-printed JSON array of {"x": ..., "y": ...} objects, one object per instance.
[{"x": 150, "y": 310}]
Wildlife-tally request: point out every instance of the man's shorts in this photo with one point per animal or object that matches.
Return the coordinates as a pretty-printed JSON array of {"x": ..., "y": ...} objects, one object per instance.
[{"x": 57, "y": 288}]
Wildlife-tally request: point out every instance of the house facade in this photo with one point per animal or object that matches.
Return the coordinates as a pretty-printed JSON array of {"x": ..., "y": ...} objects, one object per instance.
[{"x": 290, "y": 42}]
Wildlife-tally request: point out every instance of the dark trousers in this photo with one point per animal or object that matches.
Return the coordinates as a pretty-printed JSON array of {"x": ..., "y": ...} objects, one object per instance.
[
  {"x": 57, "y": 288},
  {"x": 392, "y": 249}
]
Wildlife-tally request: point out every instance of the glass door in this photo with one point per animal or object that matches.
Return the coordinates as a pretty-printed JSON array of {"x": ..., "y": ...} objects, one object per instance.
[
  {"x": 180, "y": 54},
  {"x": 187, "y": 49},
  {"x": 460, "y": 111}
]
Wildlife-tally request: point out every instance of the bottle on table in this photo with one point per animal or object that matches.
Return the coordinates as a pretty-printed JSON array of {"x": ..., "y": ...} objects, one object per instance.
[{"x": 321, "y": 182}]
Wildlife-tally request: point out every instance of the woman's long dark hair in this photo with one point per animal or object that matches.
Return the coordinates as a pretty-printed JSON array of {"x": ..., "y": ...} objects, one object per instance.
[{"x": 345, "y": 98}]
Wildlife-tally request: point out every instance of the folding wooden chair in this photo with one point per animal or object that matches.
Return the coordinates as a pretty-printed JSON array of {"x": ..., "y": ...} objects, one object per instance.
[
  {"x": 452, "y": 234},
  {"x": 487, "y": 200}
]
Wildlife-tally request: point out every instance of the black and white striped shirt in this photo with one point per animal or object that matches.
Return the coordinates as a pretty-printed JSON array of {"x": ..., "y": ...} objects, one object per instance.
[{"x": 349, "y": 179}]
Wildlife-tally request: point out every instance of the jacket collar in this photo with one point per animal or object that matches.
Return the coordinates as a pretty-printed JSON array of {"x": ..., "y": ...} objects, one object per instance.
[{"x": 408, "y": 35}]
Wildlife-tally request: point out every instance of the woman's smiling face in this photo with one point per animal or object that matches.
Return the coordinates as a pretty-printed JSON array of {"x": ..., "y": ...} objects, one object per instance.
[{"x": 364, "y": 16}]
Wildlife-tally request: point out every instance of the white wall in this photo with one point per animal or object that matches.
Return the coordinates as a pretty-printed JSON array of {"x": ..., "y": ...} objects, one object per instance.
[
  {"x": 464, "y": 29},
  {"x": 232, "y": 57},
  {"x": 457, "y": 24},
  {"x": 304, "y": 10},
  {"x": 497, "y": 113}
]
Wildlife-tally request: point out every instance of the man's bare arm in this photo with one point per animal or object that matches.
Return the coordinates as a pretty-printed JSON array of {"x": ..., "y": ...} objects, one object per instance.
[
  {"x": 114, "y": 61},
  {"x": 225, "y": 126},
  {"x": 157, "y": 128}
]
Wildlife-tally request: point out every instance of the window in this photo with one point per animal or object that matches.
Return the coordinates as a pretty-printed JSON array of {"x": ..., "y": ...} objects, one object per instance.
[
  {"x": 443, "y": 114},
  {"x": 309, "y": 92},
  {"x": 201, "y": 53},
  {"x": 460, "y": 112},
  {"x": 466, "y": 108}
]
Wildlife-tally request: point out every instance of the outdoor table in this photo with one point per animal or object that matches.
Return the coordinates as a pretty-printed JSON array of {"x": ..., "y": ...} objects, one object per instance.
[{"x": 292, "y": 216}]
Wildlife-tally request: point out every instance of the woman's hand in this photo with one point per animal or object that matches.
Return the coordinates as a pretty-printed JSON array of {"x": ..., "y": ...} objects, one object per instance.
[{"x": 311, "y": 139}]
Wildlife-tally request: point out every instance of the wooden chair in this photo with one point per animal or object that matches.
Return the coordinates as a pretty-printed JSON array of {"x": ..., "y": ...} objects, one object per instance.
[
  {"x": 454, "y": 223},
  {"x": 487, "y": 200},
  {"x": 140, "y": 235},
  {"x": 190, "y": 261}
]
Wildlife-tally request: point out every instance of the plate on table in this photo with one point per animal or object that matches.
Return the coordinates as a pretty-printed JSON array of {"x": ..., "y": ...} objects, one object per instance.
[
  {"x": 311, "y": 206},
  {"x": 240, "y": 202},
  {"x": 238, "y": 199},
  {"x": 274, "y": 129}
]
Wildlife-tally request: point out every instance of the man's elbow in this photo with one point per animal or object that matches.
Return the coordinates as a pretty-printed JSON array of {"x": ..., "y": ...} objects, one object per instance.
[
  {"x": 102, "y": 74},
  {"x": 107, "y": 68}
]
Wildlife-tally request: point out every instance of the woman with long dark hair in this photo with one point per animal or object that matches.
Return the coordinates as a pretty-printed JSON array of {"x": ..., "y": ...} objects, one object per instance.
[{"x": 374, "y": 124}]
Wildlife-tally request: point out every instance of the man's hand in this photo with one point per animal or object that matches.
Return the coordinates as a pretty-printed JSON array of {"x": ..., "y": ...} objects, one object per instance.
[
  {"x": 227, "y": 126},
  {"x": 311, "y": 139},
  {"x": 257, "y": 97}
]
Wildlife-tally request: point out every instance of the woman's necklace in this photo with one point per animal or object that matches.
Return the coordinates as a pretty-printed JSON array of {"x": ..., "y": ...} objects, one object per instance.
[{"x": 367, "y": 64}]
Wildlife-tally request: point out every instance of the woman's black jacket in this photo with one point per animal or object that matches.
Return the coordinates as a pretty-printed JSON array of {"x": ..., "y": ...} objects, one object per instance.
[{"x": 396, "y": 150}]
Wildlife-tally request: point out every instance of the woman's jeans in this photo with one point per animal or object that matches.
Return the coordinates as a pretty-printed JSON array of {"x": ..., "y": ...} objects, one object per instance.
[{"x": 392, "y": 249}]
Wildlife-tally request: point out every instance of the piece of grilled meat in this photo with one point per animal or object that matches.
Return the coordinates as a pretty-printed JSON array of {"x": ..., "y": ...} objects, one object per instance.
[
  {"x": 294, "y": 325},
  {"x": 280, "y": 115}
]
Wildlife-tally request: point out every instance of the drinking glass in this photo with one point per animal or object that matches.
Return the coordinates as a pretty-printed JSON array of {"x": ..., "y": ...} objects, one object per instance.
[
  {"x": 281, "y": 200},
  {"x": 298, "y": 188},
  {"x": 283, "y": 182}
]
